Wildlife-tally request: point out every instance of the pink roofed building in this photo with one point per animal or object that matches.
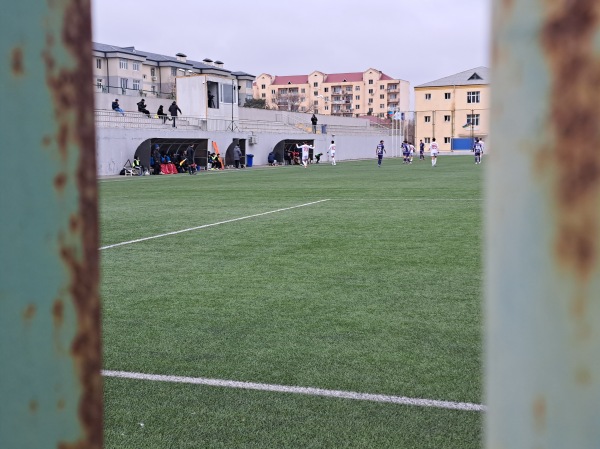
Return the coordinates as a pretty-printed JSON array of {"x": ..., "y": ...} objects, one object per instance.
[{"x": 351, "y": 94}]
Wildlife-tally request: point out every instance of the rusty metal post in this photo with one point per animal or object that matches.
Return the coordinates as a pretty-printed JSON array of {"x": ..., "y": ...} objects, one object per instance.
[
  {"x": 50, "y": 384},
  {"x": 543, "y": 226}
]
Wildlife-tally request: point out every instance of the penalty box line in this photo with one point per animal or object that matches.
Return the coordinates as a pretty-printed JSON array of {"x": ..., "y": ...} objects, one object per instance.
[
  {"x": 209, "y": 225},
  {"x": 464, "y": 406}
]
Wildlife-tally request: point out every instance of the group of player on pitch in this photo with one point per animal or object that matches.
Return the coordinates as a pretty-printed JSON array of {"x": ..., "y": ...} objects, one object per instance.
[
  {"x": 305, "y": 147},
  {"x": 408, "y": 151}
]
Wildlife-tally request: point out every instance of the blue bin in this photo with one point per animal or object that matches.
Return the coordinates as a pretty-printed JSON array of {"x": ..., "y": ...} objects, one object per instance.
[
  {"x": 323, "y": 129},
  {"x": 249, "y": 159}
]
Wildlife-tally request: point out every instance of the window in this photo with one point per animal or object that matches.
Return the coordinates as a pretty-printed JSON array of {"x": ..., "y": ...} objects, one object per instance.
[
  {"x": 370, "y": 110},
  {"x": 152, "y": 71},
  {"x": 427, "y": 118},
  {"x": 98, "y": 63},
  {"x": 315, "y": 84},
  {"x": 370, "y": 101},
  {"x": 248, "y": 84},
  {"x": 263, "y": 95},
  {"x": 473, "y": 119},
  {"x": 123, "y": 64},
  {"x": 135, "y": 66},
  {"x": 315, "y": 93},
  {"x": 262, "y": 86},
  {"x": 124, "y": 83},
  {"x": 348, "y": 88},
  {"x": 370, "y": 81},
  {"x": 446, "y": 118},
  {"x": 173, "y": 71},
  {"x": 326, "y": 98},
  {"x": 326, "y": 89},
  {"x": 227, "y": 95},
  {"x": 357, "y": 107},
  {"x": 475, "y": 76},
  {"x": 356, "y": 87},
  {"x": 357, "y": 97},
  {"x": 302, "y": 91},
  {"x": 446, "y": 139},
  {"x": 381, "y": 97},
  {"x": 382, "y": 87},
  {"x": 427, "y": 96},
  {"x": 316, "y": 103},
  {"x": 153, "y": 89},
  {"x": 327, "y": 108},
  {"x": 370, "y": 91},
  {"x": 473, "y": 97},
  {"x": 381, "y": 106},
  {"x": 272, "y": 91},
  {"x": 427, "y": 139},
  {"x": 447, "y": 96},
  {"x": 136, "y": 84}
]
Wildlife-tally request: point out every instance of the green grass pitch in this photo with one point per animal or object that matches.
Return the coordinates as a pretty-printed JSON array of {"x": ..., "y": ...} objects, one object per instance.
[{"x": 377, "y": 290}]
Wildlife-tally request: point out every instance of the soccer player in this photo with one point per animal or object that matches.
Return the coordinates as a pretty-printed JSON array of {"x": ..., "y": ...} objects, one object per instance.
[
  {"x": 477, "y": 149},
  {"x": 331, "y": 151},
  {"x": 421, "y": 151},
  {"x": 411, "y": 147},
  {"x": 433, "y": 150},
  {"x": 305, "y": 147},
  {"x": 405, "y": 152},
  {"x": 379, "y": 151}
]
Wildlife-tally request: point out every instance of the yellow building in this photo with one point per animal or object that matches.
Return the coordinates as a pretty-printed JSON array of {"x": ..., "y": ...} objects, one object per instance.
[
  {"x": 371, "y": 92},
  {"x": 454, "y": 109}
]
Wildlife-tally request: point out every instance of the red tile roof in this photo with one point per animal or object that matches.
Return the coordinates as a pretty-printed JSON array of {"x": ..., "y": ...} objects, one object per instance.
[
  {"x": 340, "y": 77},
  {"x": 350, "y": 77},
  {"x": 294, "y": 79}
]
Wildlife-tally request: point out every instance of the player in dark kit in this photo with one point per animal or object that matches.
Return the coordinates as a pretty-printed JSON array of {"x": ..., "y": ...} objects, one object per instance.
[
  {"x": 421, "y": 151},
  {"x": 379, "y": 151}
]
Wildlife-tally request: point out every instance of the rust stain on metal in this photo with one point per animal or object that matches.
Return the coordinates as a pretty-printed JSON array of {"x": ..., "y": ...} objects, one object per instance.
[
  {"x": 60, "y": 181},
  {"x": 72, "y": 98},
  {"x": 58, "y": 313},
  {"x": 29, "y": 312},
  {"x": 539, "y": 414},
  {"x": 74, "y": 224},
  {"x": 568, "y": 41},
  {"x": 16, "y": 61}
]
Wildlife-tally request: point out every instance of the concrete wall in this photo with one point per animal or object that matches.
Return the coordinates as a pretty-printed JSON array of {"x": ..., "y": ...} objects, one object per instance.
[{"x": 115, "y": 145}]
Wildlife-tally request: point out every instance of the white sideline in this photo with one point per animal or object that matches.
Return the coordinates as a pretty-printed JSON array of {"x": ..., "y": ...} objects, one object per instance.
[
  {"x": 209, "y": 225},
  {"x": 465, "y": 406}
]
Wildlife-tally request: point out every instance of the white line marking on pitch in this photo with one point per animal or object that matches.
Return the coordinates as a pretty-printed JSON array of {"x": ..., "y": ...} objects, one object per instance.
[
  {"x": 209, "y": 225},
  {"x": 407, "y": 199},
  {"x": 299, "y": 390}
]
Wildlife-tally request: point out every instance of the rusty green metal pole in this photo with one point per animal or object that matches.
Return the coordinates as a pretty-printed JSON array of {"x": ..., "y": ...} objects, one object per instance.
[
  {"x": 543, "y": 226},
  {"x": 50, "y": 384}
]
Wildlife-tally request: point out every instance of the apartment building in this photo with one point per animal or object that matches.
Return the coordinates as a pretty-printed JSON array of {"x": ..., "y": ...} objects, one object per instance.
[
  {"x": 371, "y": 92},
  {"x": 454, "y": 109},
  {"x": 128, "y": 71}
]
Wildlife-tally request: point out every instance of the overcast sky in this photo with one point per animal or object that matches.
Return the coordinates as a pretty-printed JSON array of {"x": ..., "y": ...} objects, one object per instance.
[{"x": 414, "y": 40}]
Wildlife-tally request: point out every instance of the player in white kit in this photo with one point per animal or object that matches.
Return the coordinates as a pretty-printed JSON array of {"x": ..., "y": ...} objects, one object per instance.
[
  {"x": 433, "y": 150},
  {"x": 305, "y": 147},
  {"x": 331, "y": 151}
]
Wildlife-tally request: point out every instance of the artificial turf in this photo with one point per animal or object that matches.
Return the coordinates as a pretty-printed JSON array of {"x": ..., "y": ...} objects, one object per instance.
[{"x": 376, "y": 290}]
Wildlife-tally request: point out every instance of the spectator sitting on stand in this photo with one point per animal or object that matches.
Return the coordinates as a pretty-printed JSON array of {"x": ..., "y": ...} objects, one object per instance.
[
  {"x": 116, "y": 107},
  {"x": 142, "y": 108}
]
